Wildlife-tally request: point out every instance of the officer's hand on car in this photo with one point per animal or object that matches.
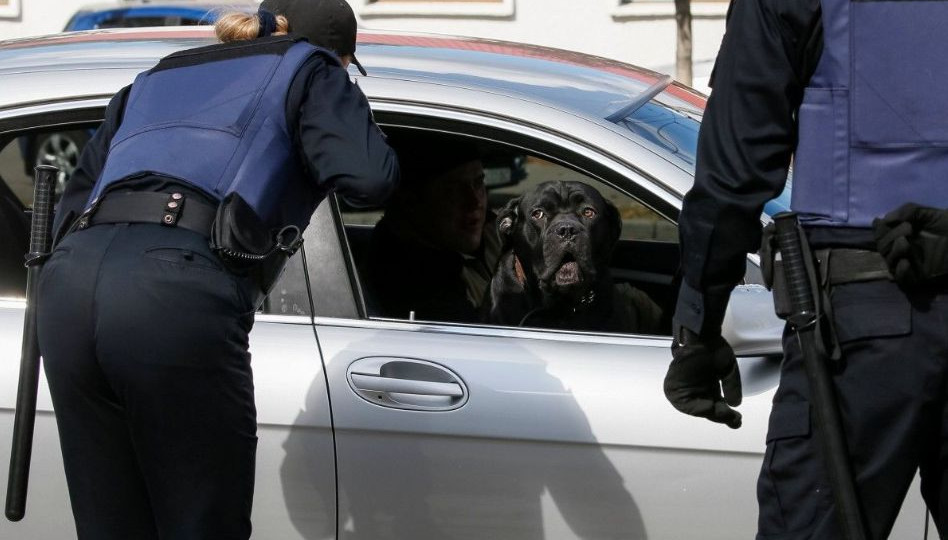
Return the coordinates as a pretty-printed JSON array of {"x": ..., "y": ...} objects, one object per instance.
[
  {"x": 914, "y": 241},
  {"x": 703, "y": 366}
]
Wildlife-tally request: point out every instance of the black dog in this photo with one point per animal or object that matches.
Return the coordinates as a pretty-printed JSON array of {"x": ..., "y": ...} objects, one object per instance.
[{"x": 554, "y": 272}]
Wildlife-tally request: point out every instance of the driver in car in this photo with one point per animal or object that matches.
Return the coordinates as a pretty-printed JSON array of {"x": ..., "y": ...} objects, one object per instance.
[{"x": 435, "y": 250}]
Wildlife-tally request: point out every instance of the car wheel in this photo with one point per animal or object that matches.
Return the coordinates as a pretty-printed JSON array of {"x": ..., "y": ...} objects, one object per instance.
[{"x": 61, "y": 150}]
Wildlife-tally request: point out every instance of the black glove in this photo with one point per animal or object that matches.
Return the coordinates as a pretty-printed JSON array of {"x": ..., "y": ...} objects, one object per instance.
[
  {"x": 914, "y": 241},
  {"x": 701, "y": 367}
]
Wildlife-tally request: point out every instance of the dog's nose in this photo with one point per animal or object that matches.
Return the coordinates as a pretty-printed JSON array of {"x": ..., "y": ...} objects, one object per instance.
[{"x": 565, "y": 230}]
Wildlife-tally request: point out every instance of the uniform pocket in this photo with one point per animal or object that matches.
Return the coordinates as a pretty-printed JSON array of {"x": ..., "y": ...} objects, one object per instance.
[
  {"x": 873, "y": 309},
  {"x": 198, "y": 272},
  {"x": 788, "y": 488},
  {"x": 897, "y": 83},
  {"x": 184, "y": 257}
]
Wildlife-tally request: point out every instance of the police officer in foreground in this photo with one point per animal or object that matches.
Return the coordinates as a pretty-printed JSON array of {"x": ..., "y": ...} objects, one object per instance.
[
  {"x": 185, "y": 206},
  {"x": 853, "y": 93}
]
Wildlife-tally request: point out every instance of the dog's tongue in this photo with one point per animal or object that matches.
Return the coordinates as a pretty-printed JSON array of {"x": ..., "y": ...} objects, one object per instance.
[{"x": 568, "y": 274}]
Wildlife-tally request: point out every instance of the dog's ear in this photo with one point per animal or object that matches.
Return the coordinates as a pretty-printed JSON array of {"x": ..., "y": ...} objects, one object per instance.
[{"x": 507, "y": 219}]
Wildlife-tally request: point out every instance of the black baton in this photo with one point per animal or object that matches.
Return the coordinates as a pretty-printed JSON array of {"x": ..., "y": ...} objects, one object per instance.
[
  {"x": 803, "y": 319},
  {"x": 40, "y": 243}
]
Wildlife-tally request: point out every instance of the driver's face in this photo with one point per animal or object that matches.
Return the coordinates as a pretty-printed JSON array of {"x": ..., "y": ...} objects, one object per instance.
[{"x": 457, "y": 204}]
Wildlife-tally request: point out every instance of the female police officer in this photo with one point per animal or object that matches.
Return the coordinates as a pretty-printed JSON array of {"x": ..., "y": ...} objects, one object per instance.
[{"x": 144, "y": 328}]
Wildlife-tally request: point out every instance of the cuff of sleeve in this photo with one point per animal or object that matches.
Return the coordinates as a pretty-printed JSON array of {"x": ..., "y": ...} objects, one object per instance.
[{"x": 702, "y": 313}]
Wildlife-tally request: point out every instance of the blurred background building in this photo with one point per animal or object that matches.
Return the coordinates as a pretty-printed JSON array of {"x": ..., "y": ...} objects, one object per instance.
[{"x": 641, "y": 32}]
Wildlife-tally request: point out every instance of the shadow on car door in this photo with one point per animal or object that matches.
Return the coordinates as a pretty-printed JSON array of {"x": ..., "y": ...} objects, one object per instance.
[{"x": 513, "y": 457}]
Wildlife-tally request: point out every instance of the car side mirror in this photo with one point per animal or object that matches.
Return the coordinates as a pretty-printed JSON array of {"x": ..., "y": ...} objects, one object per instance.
[{"x": 750, "y": 324}]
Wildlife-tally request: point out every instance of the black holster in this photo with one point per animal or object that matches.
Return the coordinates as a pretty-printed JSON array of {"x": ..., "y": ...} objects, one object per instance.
[
  {"x": 817, "y": 264},
  {"x": 248, "y": 247}
]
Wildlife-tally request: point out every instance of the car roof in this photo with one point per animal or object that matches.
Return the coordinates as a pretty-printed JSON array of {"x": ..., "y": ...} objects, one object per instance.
[
  {"x": 601, "y": 90},
  {"x": 590, "y": 84}
]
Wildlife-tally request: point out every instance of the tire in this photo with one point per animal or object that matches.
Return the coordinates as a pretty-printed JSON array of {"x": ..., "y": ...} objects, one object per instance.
[{"x": 62, "y": 150}]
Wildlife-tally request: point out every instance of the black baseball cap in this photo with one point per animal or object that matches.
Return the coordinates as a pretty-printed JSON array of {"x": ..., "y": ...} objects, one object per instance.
[
  {"x": 326, "y": 23},
  {"x": 423, "y": 156}
]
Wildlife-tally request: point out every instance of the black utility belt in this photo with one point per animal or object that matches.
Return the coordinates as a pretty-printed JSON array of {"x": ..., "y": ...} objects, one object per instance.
[
  {"x": 846, "y": 265},
  {"x": 168, "y": 209}
]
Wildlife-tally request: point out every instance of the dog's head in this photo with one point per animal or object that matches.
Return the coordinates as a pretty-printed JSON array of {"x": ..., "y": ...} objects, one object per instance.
[{"x": 563, "y": 234}]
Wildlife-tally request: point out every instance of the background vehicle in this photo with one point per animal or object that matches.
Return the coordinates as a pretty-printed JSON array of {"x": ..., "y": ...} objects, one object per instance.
[
  {"x": 543, "y": 434},
  {"x": 140, "y": 13}
]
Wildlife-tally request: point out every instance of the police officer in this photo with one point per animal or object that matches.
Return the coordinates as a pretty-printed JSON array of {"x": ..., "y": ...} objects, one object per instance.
[
  {"x": 143, "y": 328},
  {"x": 853, "y": 93}
]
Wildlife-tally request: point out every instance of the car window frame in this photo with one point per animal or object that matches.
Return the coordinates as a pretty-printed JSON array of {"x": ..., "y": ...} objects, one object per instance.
[{"x": 546, "y": 144}]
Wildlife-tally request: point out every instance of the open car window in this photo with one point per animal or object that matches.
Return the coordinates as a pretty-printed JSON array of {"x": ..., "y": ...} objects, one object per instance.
[
  {"x": 405, "y": 271},
  {"x": 19, "y": 154},
  {"x": 22, "y": 150}
]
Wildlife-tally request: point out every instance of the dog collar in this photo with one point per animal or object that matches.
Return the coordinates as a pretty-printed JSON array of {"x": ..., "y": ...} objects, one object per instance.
[
  {"x": 585, "y": 301},
  {"x": 588, "y": 298},
  {"x": 518, "y": 271}
]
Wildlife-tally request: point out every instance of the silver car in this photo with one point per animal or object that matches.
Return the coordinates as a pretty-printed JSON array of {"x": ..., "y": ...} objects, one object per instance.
[{"x": 377, "y": 428}]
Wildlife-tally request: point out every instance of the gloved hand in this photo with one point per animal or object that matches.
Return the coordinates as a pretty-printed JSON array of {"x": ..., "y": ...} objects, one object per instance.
[
  {"x": 914, "y": 241},
  {"x": 700, "y": 368}
]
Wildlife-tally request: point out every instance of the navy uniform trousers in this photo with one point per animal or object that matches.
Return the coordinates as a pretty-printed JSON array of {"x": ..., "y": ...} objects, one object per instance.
[
  {"x": 891, "y": 386},
  {"x": 144, "y": 342}
]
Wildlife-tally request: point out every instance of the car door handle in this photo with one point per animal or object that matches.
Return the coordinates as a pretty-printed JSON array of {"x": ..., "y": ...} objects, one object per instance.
[
  {"x": 406, "y": 383},
  {"x": 376, "y": 383}
]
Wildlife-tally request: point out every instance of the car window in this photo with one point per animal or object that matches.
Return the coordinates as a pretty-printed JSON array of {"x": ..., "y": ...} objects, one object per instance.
[
  {"x": 21, "y": 151},
  {"x": 16, "y": 194},
  {"x": 406, "y": 270}
]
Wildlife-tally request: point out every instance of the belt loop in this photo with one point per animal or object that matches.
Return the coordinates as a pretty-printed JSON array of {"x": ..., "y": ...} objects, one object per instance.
[
  {"x": 823, "y": 260},
  {"x": 172, "y": 209},
  {"x": 826, "y": 332}
]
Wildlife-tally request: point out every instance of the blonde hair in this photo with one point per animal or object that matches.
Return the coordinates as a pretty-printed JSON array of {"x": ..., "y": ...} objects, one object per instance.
[{"x": 239, "y": 26}]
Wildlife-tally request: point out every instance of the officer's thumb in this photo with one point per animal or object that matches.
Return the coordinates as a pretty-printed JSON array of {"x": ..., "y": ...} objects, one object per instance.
[
  {"x": 726, "y": 415},
  {"x": 726, "y": 370},
  {"x": 731, "y": 387}
]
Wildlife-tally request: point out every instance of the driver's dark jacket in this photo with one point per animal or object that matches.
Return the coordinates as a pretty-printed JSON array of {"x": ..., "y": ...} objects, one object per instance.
[
  {"x": 409, "y": 275},
  {"x": 333, "y": 130},
  {"x": 748, "y": 135}
]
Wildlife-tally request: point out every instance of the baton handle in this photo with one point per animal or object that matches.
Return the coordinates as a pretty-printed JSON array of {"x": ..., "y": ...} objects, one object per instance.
[
  {"x": 40, "y": 242},
  {"x": 803, "y": 319},
  {"x": 799, "y": 290},
  {"x": 42, "y": 224}
]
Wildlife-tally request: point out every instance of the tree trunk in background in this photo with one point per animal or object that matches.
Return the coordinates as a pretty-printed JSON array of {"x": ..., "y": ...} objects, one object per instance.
[{"x": 683, "y": 61}]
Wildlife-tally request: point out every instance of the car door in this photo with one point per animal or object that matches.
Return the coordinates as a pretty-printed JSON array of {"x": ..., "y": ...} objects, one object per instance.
[
  {"x": 467, "y": 431},
  {"x": 290, "y": 389}
]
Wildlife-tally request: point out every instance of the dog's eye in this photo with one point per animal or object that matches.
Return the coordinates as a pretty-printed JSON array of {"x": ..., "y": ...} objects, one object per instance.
[
  {"x": 538, "y": 214},
  {"x": 589, "y": 212}
]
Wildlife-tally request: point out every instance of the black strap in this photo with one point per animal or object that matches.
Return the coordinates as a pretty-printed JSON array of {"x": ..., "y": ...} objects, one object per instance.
[
  {"x": 854, "y": 265},
  {"x": 169, "y": 209}
]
